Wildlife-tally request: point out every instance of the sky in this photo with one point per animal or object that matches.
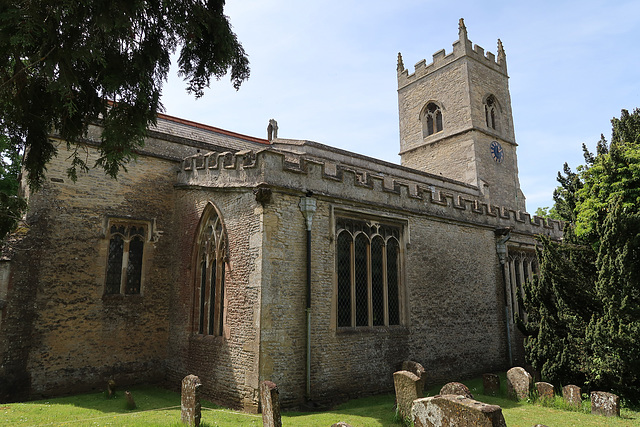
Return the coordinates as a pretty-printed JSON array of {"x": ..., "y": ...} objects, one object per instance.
[{"x": 326, "y": 71}]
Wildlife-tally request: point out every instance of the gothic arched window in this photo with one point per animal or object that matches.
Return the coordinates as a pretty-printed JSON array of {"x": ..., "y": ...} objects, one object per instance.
[
  {"x": 491, "y": 112},
  {"x": 210, "y": 271},
  {"x": 124, "y": 260},
  {"x": 368, "y": 273},
  {"x": 431, "y": 119}
]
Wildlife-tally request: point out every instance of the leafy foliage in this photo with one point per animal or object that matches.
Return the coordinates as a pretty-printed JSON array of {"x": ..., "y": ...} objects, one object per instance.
[
  {"x": 11, "y": 204},
  {"x": 584, "y": 306},
  {"x": 67, "y": 63}
]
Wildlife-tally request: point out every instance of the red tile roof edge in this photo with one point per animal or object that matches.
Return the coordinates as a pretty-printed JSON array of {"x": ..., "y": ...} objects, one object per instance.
[{"x": 211, "y": 128}]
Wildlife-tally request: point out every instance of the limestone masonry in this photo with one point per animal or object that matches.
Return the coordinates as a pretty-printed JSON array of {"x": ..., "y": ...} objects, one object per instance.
[{"x": 241, "y": 260}]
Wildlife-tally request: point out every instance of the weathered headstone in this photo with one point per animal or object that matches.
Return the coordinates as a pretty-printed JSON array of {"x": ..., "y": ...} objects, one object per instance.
[
  {"x": 491, "y": 384},
  {"x": 519, "y": 383},
  {"x": 408, "y": 388},
  {"x": 603, "y": 403},
  {"x": 111, "y": 388},
  {"x": 131, "y": 404},
  {"x": 458, "y": 389},
  {"x": 545, "y": 390},
  {"x": 341, "y": 424},
  {"x": 450, "y": 410},
  {"x": 572, "y": 395},
  {"x": 417, "y": 369},
  {"x": 270, "y": 398},
  {"x": 191, "y": 412}
]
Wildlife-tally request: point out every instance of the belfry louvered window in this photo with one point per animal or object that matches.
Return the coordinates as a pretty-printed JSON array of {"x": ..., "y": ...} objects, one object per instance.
[
  {"x": 124, "y": 261},
  {"x": 368, "y": 273},
  {"x": 210, "y": 276}
]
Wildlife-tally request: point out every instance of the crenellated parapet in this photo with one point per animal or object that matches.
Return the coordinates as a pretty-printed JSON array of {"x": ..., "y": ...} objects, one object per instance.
[
  {"x": 461, "y": 48},
  {"x": 248, "y": 169}
]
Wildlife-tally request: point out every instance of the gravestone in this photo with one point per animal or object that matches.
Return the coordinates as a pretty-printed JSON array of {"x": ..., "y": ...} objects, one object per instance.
[
  {"x": 131, "y": 404},
  {"x": 603, "y": 403},
  {"x": 417, "y": 369},
  {"x": 270, "y": 398},
  {"x": 545, "y": 390},
  {"x": 191, "y": 409},
  {"x": 572, "y": 395},
  {"x": 451, "y": 410},
  {"x": 111, "y": 388},
  {"x": 458, "y": 389},
  {"x": 408, "y": 388},
  {"x": 519, "y": 383},
  {"x": 491, "y": 384}
]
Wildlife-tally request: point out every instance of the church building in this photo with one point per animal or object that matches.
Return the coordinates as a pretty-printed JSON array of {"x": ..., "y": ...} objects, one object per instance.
[{"x": 241, "y": 259}]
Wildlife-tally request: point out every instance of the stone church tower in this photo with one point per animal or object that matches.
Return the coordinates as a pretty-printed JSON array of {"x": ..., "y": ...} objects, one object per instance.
[{"x": 456, "y": 120}]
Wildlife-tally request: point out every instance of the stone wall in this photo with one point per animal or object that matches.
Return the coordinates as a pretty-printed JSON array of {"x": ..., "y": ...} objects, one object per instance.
[
  {"x": 227, "y": 365},
  {"x": 60, "y": 333},
  {"x": 453, "y": 302}
]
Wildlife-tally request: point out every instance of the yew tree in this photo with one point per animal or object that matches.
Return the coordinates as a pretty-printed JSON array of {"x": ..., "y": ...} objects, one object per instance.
[
  {"x": 584, "y": 305},
  {"x": 65, "y": 64}
]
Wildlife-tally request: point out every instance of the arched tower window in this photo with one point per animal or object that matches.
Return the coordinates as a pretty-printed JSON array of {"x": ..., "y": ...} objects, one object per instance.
[
  {"x": 431, "y": 120},
  {"x": 210, "y": 273},
  {"x": 491, "y": 112}
]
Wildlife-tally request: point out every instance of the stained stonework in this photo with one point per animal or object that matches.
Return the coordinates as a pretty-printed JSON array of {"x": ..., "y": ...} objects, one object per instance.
[
  {"x": 572, "y": 395},
  {"x": 270, "y": 399},
  {"x": 606, "y": 404},
  {"x": 491, "y": 384},
  {"x": 451, "y": 410},
  {"x": 545, "y": 390},
  {"x": 519, "y": 383},
  {"x": 408, "y": 388},
  {"x": 457, "y": 389},
  {"x": 415, "y": 368},
  {"x": 190, "y": 406}
]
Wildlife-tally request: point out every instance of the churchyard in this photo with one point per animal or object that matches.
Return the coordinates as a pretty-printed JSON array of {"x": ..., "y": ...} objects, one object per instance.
[{"x": 159, "y": 407}]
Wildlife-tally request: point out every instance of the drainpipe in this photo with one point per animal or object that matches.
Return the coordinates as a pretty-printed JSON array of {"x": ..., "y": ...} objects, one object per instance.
[
  {"x": 308, "y": 208},
  {"x": 502, "y": 237}
]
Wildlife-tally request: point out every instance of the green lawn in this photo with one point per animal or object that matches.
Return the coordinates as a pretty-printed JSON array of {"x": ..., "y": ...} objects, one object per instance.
[{"x": 158, "y": 407}]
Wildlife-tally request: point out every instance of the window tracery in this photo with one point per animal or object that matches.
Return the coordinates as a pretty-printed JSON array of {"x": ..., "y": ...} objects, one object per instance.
[
  {"x": 125, "y": 256},
  {"x": 491, "y": 113},
  {"x": 211, "y": 259},
  {"x": 368, "y": 273},
  {"x": 521, "y": 267},
  {"x": 432, "y": 119}
]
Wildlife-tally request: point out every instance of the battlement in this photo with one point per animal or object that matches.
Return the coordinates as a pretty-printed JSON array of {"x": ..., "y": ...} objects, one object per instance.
[
  {"x": 251, "y": 169},
  {"x": 461, "y": 48}
]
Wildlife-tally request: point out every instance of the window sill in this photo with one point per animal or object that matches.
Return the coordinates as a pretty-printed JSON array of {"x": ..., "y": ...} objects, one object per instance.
[
  {"x": 373, "y": 330},
  {"x": 120, "y": 298},
  {"x": 206, "y": 338}
]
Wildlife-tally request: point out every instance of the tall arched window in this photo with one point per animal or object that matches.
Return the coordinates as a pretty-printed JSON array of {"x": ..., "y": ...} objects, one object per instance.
[
  {"x": 211, "y": 259},
  {"x": 491, "y": 112},
  {"x": 368, "y": 273},
  {"x": 431, "y": 119}
]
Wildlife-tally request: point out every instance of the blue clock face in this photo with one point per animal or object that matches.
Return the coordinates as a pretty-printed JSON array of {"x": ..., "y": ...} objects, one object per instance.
[{"x": 497, "y": 152}]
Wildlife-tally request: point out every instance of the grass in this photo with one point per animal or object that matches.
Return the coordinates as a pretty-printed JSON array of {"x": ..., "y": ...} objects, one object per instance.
[{"x": 159, "y": 407}]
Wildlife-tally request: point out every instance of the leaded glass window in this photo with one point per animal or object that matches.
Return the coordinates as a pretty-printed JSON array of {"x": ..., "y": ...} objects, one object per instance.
[
  {"x": 125, "y": 257},
  {"x": 367, "y": 270},
  {"x": 212, "y": 256}
]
